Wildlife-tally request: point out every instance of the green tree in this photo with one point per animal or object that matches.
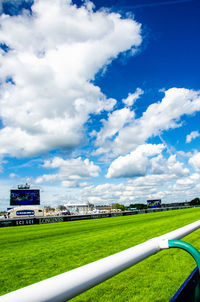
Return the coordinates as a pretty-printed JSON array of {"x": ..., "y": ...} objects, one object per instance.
[
  {"x": 62, "y": 208},
  {"x": 120, "y": 207},
  {"x": 195, "y": 201},
  {"x": 140, "y": 206}
]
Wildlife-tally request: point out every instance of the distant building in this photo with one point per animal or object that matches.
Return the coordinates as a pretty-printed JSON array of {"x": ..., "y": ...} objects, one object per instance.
[
  {"x": 78, "y": 208},
  {"x": 105, "y": 208},
  {"x": 25, "y": 212}
]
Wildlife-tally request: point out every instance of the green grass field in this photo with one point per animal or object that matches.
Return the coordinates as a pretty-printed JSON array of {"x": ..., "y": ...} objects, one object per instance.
[{"x": 33, "y": 253}]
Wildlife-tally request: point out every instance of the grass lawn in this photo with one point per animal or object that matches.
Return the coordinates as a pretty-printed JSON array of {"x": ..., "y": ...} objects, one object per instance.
[{"x": 32, "y": 253}]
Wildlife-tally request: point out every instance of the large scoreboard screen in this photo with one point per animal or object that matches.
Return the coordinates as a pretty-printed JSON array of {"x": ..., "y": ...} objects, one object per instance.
[
  {"x": 24, "y": 197},
  {"x": 154, "y": 203}
]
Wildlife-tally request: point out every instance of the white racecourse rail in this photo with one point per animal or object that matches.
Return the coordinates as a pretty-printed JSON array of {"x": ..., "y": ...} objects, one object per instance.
[{"x": 68, "y": 285}]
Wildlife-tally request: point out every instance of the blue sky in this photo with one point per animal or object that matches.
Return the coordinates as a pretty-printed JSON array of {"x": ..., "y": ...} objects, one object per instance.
[{"x": 100, "y": 101}]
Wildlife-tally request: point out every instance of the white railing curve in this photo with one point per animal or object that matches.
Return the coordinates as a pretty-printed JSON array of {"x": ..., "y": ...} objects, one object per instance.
[{"x": 70, "y": 284}]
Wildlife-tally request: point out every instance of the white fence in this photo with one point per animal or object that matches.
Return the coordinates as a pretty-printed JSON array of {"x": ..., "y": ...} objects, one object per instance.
[{"x": 68, "y": 285}]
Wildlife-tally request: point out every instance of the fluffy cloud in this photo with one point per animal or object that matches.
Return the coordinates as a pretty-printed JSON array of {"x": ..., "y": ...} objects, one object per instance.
[
  {"x": 169, "y": 187},
  {"x": 134, "y": 190},
  {"x": 158, "y": 117},
  {"x": 165, "y": 186},
  {"x": 135, "y": 163},
  {"x": 158, "y": 165},
  {"x": 184, "y": 154},
  {"x": 175, "y": 167},
  {"x": 70, "y": 172},
  {"x": 170, "y": 166},
  {"x": 145, "y": 158},
  {"x": 47, "y": 92},
  {"x": 171, "y": 183},
  {"x": 116, "y": 121},
  {"x": 187, "y": 188},
  {"x": 194, "y": 161},
  {"x": 191, "y": 136},
  {"x": 132, "y": 97}
]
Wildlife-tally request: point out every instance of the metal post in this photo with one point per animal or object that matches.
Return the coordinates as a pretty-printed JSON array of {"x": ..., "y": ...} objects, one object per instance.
[{"x": 194, "y": 253}]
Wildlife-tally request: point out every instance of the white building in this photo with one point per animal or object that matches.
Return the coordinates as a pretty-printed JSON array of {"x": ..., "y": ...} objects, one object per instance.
[
  {"x": 78, "y": 208},
  {"x": 25, "y": 212}
]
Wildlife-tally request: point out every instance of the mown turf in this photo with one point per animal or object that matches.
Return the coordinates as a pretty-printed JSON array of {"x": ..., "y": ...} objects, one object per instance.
[{"x": 33, "y": 253}]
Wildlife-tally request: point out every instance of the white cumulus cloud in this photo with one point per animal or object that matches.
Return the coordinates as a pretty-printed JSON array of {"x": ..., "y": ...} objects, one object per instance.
[
  {"x": 194, "y": 161},
  {"x": 176, "y": 168},
  {"x": 116, "y": 121},
  {"x": 132, "y": 97},
  {"x": 135, "y": 163},
  {"x": 47, "y": 93},
  {"x": 158, "y": 117},
  {"x": 191, "y": 136},
  {"x": 69, "y": 171}
]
